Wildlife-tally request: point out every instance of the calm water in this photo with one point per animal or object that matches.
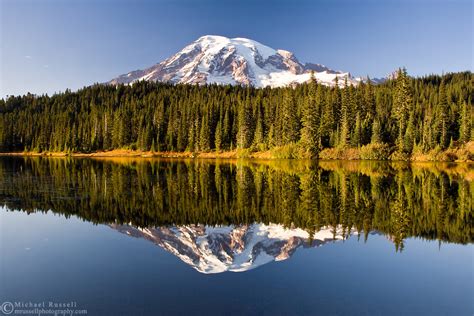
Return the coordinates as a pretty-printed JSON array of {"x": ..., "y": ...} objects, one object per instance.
[{"x": 132, "y": 237}]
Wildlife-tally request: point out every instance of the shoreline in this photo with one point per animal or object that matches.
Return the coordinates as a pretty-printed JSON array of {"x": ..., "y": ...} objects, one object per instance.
[
  {"x": 235, "y": 154},
  {"x": 136, "y": 154}
]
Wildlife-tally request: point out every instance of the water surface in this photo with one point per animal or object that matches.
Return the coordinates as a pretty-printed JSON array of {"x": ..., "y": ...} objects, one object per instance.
[{"x": 131, "y": 237}]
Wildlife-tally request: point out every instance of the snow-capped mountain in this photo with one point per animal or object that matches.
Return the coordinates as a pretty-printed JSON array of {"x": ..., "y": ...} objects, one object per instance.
[
  {"x": 222, "y": 60},
  {"x": 230, "y": 248}
]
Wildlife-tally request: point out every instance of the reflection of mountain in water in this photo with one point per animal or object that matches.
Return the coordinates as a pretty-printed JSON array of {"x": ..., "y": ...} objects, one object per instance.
[{"x": 231, "y": 248}]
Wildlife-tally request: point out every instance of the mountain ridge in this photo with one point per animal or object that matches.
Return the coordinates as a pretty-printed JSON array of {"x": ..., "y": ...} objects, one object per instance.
[{"x": 236, "y": 61}]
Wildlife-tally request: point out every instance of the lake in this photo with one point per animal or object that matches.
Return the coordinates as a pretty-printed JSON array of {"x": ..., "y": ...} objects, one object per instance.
[{"x": 171, "y": 237}]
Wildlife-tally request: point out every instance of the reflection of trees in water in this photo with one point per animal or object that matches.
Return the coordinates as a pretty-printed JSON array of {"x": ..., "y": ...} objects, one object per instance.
[{"x": 395, "y": 199}]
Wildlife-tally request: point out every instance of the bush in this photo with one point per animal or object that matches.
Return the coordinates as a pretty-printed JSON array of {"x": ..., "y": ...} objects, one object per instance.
[
  {"x": 375, "y": 151},
  {"x": 244, "y": 153},
  {"x": 330, "y": 153},
  {"x": 399, "y": 156},
  {"x": 290, "y": 151},
  {"x": 339, "y": 153}
]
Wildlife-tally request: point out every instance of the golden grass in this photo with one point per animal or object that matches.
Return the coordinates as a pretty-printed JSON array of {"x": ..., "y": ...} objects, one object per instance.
[{"x": 464, "y": 153}]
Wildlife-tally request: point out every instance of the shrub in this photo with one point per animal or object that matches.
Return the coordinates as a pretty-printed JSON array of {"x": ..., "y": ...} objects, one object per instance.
[
  {"x": 340, "y": 154},
  {"x": 244, "y": 153},
  {"x": 376, "y": 151},
  {"x": 290, "y": 151}
]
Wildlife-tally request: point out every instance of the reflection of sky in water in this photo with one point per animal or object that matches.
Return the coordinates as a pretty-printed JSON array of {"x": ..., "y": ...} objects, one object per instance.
[{"x": 50, "y": 257}]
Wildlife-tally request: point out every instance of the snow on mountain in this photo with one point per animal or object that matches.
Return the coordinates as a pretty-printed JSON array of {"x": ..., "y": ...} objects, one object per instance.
[
  {"x": 221, "y": 60},
  {"x": 230, "y": 248}
]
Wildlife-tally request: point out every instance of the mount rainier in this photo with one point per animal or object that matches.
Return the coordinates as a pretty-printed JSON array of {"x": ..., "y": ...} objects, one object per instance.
[
  {"x": 221, "y": 60},
  {"x": 234, "y": 248}
]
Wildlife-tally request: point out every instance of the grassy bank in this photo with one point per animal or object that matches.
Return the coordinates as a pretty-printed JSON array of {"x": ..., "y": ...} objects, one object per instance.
[
  {"x": 145, "y": 154},
  {"x": 464, "y": 153}
]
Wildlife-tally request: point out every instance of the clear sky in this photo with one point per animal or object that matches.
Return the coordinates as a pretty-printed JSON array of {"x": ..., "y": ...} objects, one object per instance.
[{"x": 51, "y": 45}]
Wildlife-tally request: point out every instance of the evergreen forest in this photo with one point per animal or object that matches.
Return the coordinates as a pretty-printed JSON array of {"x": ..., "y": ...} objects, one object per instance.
[{"x": 396, "y": 119}]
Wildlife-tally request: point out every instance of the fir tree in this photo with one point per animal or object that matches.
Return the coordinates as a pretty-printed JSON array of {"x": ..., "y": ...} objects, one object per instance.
[
  {"x": 344, "y": 121},
  {"x": 310, "y": 135},
  {"x": 402, "y": 105},
  {"x": 245, "y": 126},
  {"x": 443, "y": 116},
  {"x": 218, "y": 136},
  {"x": 290, "y": 125},
  {"x": 204, "y": 135},
  {"x": 356, "y": 139},
  {"x": 466, "y": 120},
  {"x": 376, "y": 137},
  {"x": 409, "y": 138},
  {"x": 259, "y": 137}
]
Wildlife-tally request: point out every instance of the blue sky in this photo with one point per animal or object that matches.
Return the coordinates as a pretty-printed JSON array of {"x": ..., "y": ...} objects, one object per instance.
[{"x": 51, "y": 45}]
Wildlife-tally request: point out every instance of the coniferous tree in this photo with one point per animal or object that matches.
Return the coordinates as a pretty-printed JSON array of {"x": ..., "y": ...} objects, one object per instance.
[
  {"x": 369, "y": 100},
  {"x": 226, "y": 130},
  {"x": 466, "y": 120},
  {"x": 356, "y": 139},
  {"x": 336, "y": 110},
  {"x": 344, "y": 121},
  {"x": 402, "y": 105},
  {"x": 443, "y": 116},
  {"x": 290, "y": 125},
  {"x": 218, "y": 136},
  {"x": 204, "y": 135},
  {"x": 409, "y": 138},
  {"x": 310, "y": 135},
  {"x": 244, "y": 136},
  {"x": 259, "y": 136},
  {"x": 376, "y": 137}
]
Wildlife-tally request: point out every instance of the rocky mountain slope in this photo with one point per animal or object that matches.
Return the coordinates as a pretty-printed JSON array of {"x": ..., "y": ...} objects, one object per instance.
[{"x": 221, "y": 60}]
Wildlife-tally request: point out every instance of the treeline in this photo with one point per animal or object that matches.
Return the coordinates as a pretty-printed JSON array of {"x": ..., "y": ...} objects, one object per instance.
[
  {"x": 403, "y": 114},
  {"x": 399, "y": 201}
]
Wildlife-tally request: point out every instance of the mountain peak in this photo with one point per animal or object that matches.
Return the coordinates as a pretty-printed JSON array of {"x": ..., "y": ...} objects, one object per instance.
[
  {"x": 212, "y": 38},
  {"x": 218, "y": 39},
  {"x": 237, "y": 61},
  {"x": 285, "y": 53}
]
